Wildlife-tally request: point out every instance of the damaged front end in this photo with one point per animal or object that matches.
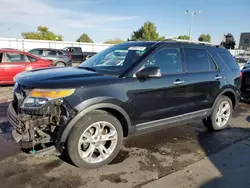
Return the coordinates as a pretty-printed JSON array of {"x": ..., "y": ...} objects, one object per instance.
[{"x": 38, "y": 116}]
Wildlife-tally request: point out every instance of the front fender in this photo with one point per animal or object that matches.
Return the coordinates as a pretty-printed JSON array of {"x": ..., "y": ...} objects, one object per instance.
[{"x": 70, "y": 125}]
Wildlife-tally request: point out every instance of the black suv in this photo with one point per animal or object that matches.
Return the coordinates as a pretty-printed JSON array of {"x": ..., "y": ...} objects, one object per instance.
[{"x": 88, "y": 110}]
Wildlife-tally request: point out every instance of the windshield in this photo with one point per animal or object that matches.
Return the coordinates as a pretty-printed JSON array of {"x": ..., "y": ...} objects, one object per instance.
[{"x": 116, "y": 59}]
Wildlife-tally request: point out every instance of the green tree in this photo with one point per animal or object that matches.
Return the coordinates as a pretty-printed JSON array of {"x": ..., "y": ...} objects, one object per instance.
[
  {"x": 183, "y": 37},
  {"x": 84, "y": 38},
  {"x": 42, "y": 33},
  {"x": 204, "y": 38},
  {"x": 114, "y": 41},
  {"x": 146, "y": 33}
]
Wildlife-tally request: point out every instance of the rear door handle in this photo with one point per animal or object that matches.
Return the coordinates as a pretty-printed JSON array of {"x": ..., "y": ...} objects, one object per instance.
[
  {"x": 218, "y": 77},
  {"x": 179, "y": 82}
]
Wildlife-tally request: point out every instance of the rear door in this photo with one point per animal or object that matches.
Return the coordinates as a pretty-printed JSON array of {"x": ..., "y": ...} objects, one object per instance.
[
  {"x": 203, "y": 77},
  {"x": 14, "y": 63},
  {"x": 50, "y": 54}
]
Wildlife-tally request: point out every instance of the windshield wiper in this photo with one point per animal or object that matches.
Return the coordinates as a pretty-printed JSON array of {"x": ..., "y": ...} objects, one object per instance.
[{"x": 88, "y": 68}]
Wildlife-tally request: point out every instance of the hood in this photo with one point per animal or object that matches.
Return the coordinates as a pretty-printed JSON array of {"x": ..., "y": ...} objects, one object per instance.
[{"x": 65, "y": 77}]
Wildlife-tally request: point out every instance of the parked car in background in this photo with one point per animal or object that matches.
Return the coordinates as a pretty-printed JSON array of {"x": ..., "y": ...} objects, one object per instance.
[
  {"x": 242, "y": 61},
  {"x": 14, "y": 61},
  {"x": 78, "y": 55},
  {"x": 60, "y": 58}
]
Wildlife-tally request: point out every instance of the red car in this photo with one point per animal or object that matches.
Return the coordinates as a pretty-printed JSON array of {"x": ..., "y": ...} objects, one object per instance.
[{"x": 13, "y": 61}]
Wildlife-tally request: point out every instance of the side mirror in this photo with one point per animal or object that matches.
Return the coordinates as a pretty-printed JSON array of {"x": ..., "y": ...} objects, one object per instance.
[{"x": 149, "y": 72}]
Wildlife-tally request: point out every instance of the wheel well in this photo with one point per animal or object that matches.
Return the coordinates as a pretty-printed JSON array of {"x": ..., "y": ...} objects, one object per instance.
[
  {"x": 231, "y": 96},
  {"x": 60, "y": 62},
  {"x": 120, "y": 118}
]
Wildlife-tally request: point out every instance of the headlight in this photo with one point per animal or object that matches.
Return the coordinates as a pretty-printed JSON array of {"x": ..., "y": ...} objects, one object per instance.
[{"x": 39, "y": 97}]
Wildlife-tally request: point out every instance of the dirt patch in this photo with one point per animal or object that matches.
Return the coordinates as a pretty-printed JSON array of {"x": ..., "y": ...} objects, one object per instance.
[
  {"x": 21, "y": 175},
  {"x": 113, "y": 178},
  {"x": 122, "y": 156}
]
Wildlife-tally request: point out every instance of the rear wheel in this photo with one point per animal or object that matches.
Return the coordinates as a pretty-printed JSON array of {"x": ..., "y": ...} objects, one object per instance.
[
  {"x": 60, "y": 64},
  {"x": 221, "y": 114},
  {"x": 95, "y": 140}
]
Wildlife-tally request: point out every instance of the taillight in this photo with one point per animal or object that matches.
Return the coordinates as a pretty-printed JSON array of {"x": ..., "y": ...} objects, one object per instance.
[
  {"x": 69, "y": 55},
  {"x": 240, "y": 75}
]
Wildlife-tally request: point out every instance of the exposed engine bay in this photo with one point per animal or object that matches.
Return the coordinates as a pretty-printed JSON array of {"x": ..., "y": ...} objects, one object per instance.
[{"x": 37, "y": 119}]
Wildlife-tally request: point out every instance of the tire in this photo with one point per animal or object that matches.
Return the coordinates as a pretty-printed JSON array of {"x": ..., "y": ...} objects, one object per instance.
[
  {"x": 84, "y": 125},
  {"x": 211, "y": 122},
  {"x": 60, "y": 64}
]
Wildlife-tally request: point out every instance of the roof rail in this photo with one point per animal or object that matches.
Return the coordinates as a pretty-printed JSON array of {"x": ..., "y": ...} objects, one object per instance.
[{"x": 192, "y": 42}]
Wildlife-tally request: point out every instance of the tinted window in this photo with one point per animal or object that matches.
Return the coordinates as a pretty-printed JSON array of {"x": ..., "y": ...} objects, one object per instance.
[
  {"x": 229, "y": 60},
  {"x": 59, "y": 53},
  {"x": 1, "y": 57},
  {"x": 197, "y": 60},
  {"x": 168, "y": 60},
  {"x": 246, "y": 41},
  {"x": 14, "y": 57},
  {"x": 213, "y": 65},
  {"x": 31, "y": 59},
  {"x": 77, "y": 50},
  {"x": 49, "y": 52}
]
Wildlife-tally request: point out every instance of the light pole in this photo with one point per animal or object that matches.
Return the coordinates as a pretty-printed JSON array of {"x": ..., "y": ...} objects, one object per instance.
[{"x": 192, "y": 13}]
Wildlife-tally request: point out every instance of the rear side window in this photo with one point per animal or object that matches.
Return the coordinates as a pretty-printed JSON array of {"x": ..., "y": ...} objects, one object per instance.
[
  {"x": 198, "y": 60},
  {"x": 49, "y": 52},
  {"x": 59, "y": 53},
  {"x": 229, "y": 60}
]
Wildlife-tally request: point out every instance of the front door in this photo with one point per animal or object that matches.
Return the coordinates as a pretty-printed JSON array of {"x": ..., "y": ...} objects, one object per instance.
[
  {"x": 2, "y": 73},
  {"x": 13, "y": 64},
  {"x": 163, "y": 97}
]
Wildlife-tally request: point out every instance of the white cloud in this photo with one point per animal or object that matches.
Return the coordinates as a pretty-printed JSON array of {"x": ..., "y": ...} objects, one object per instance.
[{"x": 32, "y": 13}]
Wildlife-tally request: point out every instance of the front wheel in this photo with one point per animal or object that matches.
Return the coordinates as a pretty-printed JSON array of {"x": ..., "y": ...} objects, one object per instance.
[
  {"x": 221, "y": 114},
  {"x": 95, "y": 140}
]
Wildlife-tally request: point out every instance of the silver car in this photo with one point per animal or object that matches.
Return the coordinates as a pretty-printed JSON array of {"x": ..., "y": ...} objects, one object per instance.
[{"x": 60, "y": 58}]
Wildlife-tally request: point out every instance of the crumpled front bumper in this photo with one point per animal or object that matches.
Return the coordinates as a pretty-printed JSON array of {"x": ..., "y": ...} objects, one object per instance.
[{"x": 23, "y": 124}]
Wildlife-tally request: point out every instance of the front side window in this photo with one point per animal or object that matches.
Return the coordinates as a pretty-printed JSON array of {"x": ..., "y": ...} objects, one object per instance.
[
  {"x": 168, "y": 60},
  {"x": 36, "y": 52},
  {"x": 15, "y": 57},
  {"x": 117, "y": 58},
  {"x": 198, "y": 60},
  {"x": 31, "y": 59}
]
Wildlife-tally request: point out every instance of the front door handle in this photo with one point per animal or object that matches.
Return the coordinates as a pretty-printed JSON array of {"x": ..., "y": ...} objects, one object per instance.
[
  {"x": 179, "y": 82},
  {"x": 218, "y": 77}
]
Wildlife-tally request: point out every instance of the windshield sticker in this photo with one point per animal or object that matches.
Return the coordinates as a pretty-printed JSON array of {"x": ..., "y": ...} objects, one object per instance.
[{"x": 139, "y": 48}]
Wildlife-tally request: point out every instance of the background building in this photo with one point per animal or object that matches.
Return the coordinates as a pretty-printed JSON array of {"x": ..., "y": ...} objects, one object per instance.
[{"x": 244, "y": 43}]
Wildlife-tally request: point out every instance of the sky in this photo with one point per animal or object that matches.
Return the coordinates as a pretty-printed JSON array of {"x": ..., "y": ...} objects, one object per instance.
[{"x": 108, "y": 19}]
